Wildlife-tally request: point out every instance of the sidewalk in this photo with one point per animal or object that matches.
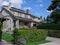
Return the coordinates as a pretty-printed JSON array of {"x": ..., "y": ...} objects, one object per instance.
[
  {"x": 54, "y": 41},
  {"x": 6, "y": 43}
]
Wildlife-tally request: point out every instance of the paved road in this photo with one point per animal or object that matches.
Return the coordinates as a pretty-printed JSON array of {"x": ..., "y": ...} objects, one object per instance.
[{"x": 54, "y": 41}]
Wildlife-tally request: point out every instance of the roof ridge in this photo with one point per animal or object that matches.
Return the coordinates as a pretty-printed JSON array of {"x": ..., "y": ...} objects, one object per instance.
[{"x": 12, "y": 15}]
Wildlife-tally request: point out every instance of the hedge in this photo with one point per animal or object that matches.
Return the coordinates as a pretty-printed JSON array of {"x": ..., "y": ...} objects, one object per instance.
[
  {"x": 32, "y": 35},
  {"x": 49, "y": 26},
  {"x": 54, "y": 33}
]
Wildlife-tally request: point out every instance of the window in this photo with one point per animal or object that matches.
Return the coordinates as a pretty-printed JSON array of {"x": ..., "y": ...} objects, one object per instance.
[
  {"x": 19, "y": 14},
  {"x": 26, "y": 16}
]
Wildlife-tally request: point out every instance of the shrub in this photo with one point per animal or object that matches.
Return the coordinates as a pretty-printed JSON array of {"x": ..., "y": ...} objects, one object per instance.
[
  {"x": 49, "y": 26},
  {"x": 15, "y": 36},
  {"x": 25, "y": 27},
  {"x": 54, "y": 33},
  {"x": 32, "y": 35}
]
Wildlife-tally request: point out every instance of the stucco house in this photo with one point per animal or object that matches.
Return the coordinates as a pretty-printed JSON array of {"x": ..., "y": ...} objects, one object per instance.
[{"x": 16, "y": 18}]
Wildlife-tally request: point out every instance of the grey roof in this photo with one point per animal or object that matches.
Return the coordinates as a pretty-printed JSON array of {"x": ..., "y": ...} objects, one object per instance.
[
  {"x": 12, "y": 15},
  {"x": 16, "y": 17},
  {"x": 22, "y": 11},
  {"x": 15, "y": 9},
  {"x": 2, "y": 17}
]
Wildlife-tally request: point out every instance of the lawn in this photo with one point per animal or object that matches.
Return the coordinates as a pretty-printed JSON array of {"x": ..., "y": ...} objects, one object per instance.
[
  {"x": 7, "y": 37},
  {"x": 36, "y": 43}
]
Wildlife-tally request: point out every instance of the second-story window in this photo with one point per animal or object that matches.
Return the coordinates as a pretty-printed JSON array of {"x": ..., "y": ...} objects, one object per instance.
[
  {"x": 16, "y": 13},
  {"x": 26, "y": 16},
  {"x": 19, "y": 14}
]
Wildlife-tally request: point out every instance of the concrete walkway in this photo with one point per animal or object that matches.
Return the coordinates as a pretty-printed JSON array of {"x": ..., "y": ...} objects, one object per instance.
[
  {"x": 54, "y": 41},
  {"x": 6, "y": 43}
]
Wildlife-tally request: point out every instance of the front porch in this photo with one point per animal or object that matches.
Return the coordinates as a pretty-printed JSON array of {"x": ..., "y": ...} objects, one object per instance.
[
  {"x": 22, "y": 23},
  {"x": 9, "y": 25}
]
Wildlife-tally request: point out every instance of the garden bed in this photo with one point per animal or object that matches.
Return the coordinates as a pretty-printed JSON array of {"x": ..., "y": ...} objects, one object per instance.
[{"x": 32, "y": 36}]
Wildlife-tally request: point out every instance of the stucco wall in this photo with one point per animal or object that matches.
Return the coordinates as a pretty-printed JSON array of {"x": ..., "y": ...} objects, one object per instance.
[
  {"x": 4, "y": 13},
  {"x": 8, "y": 24},
  {"x": 17, "y": 24}
]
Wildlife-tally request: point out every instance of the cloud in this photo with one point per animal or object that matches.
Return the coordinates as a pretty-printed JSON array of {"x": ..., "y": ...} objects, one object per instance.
[
  {"x": 38, "y": 6},
  {"x": 16, "y": 3},
  {"x": 27, "y": 8},
  {"x": 5, "y": 3},
  {"x": 41, "y": 5},
  {"x": 49, "y": 11},
  {"x": 1, "y": 1}
]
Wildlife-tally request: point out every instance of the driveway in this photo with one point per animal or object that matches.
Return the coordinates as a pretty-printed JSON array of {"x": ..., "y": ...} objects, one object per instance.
[{"x": 54, "y": 41}]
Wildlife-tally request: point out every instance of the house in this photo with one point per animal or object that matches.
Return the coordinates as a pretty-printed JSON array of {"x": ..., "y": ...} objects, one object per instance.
[{"x": 16, "y": 18}]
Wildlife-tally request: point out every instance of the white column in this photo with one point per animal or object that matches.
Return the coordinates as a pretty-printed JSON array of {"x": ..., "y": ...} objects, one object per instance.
[
  {"x": 17, "y": 24},
  {"x": 32, "y": 24}
]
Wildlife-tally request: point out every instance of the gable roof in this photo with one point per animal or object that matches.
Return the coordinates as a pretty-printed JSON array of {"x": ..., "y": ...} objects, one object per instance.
[
  {"x": 16, "y": 17},
  {"x": 2, "y": 17},
  {"x": 22, "y": 11},
  {"x": 12, "y": 15}
]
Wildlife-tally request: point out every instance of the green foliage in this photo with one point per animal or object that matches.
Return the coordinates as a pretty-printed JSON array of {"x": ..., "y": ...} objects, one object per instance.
[
  {"x": 7, "y": 37},
  {"x": 54, "y": 33},
  {"x": 15, "y": 36},
  {"x": 25, "y": 27},
  {"x": 53, "y": 5},
  {"x": 49, "y": 26},
  {"x": 32, "y": 35},
  {"x": 0, "y": 30},
  {"x": 37, "y": 43},
  {"x": 55, "y": 16}
]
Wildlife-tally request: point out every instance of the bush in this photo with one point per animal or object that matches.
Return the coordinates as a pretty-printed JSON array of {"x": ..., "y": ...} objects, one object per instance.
[
  {"x": 24, "y": 27},
  {"x": 54, "y": 33},
  {"x": 32, "y": 35},
  {"x": 49, "y": 26},
  {"x": 15, "y": 36}
]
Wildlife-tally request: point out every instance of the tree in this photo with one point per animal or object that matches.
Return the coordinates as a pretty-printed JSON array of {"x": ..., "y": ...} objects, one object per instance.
[
  {"x": 1, "y": 25},
  {"x": 54, "y": 4},
  {"x": 0, "y": 30},
  {"x": 55, "y": 15}
]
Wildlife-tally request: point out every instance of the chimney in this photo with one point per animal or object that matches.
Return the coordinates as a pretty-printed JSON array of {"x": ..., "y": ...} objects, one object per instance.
[
  {"x": 10, "y": 5},
  {"x": 27, "y": 11}
]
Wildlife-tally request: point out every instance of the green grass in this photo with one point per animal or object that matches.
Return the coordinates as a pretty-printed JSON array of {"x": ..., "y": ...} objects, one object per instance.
[
  {"x": 36, "y": 43},
  {"x": 7, "y": 37}
]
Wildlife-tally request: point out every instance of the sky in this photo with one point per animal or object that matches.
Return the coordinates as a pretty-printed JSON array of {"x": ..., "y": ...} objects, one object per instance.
[{"x": 36, "y": 7}]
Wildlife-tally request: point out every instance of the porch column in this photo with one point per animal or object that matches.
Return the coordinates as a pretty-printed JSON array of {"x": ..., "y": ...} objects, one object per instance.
[
  {"x": 17, "y": 24},
  {"x": 32, "y": 24},
  {"x": 5, "y": 27}
]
